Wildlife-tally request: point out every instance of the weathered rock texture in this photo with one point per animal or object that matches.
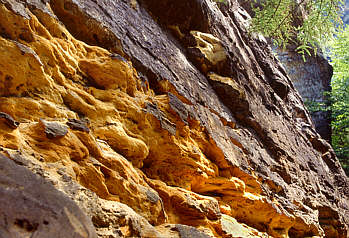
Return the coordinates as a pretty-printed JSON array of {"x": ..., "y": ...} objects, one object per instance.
[
  {"x": 31, "y": 207},
  {"x": 163, "y": 119},
  {"x": 312, "y": 79}
]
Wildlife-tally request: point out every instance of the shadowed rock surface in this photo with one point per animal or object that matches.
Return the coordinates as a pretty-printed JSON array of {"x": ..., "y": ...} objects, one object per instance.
[
  {"x": 312, "y": 80},
  {"x": 31, "y": 207},
  {"x": 181, "y": 124}
]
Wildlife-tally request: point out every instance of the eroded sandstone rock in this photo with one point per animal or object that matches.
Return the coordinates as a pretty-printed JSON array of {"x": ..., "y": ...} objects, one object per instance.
[{"x": 171, "y": 148}]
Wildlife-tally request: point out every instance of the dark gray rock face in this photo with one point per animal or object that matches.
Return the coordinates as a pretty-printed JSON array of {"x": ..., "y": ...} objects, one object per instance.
[
  {"x": 312, "y": 80},
  {"x": 31, "y": 207}
]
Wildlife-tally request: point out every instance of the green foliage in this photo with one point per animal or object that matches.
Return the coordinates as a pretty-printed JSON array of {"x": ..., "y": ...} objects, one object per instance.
[
  {"x": 338, "y": 50},
  {"x": 313, "y": 106},
  {"x": 307, "y": 23},
  {"x": 222, "y": 1},
  {"x": 339, "y": 53}
]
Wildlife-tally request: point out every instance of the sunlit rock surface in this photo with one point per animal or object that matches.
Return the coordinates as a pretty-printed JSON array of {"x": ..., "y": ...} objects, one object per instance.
[{"x": 162, "y": 119}]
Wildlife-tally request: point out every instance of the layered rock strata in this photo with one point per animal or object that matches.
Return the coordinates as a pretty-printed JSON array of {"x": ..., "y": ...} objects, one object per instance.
[{"x": 159, "y": 119}]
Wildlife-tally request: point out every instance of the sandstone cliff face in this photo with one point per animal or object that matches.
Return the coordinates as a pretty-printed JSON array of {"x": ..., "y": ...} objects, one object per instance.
[{"x": 158, "y": 119}]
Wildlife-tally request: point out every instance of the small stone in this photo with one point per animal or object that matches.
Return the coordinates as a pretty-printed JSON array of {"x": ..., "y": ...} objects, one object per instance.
[
  {"x": 118, "y": 57},
  {"x": 152, "y": 196},
  {"x": 54, "y": 129},
  {"x": 189, "y": 232}
]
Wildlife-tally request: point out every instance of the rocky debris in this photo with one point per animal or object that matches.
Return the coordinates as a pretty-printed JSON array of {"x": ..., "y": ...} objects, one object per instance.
[
  {"x": 9, "y": 120},
  {"x": 31, "y": 207},
  {"x": 53, "y": 129},
  {"x": 223, "y": 147}
]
